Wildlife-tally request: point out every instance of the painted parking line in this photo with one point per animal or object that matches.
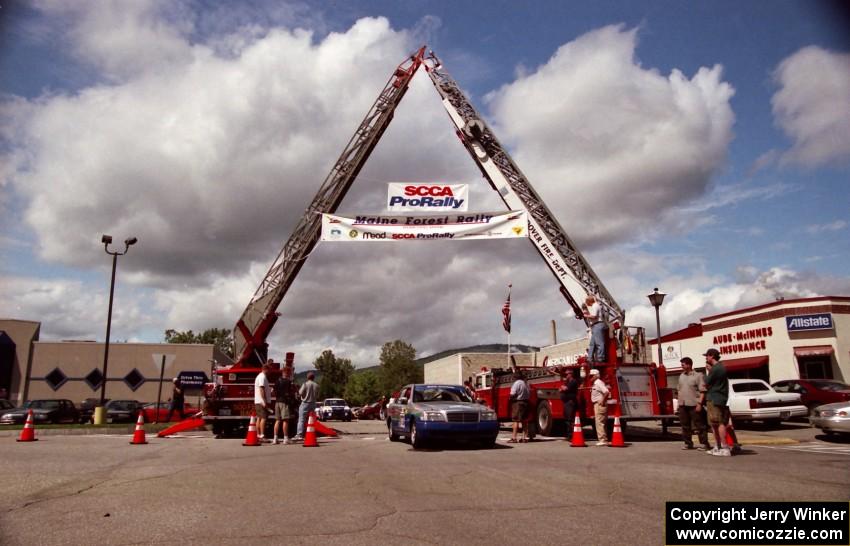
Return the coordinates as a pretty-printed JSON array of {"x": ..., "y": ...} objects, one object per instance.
[{"x": 814, "y": 448}]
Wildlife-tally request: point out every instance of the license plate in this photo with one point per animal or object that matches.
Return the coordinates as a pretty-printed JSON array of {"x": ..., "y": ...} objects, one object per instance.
[
  {"x": 784, "y": 414},
  {"x": 224, "y": 411}
]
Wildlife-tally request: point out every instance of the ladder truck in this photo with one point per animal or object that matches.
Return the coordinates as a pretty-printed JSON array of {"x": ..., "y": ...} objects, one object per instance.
[
  {"x": 229, "y": 397},
  {"x": 639, "y": 389}
]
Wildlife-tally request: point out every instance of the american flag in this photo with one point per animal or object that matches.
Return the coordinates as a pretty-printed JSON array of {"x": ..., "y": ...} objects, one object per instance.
[{"x": 506, "y": 312}]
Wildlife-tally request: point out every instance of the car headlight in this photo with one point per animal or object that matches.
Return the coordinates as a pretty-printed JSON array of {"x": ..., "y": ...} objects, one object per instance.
[
  {"x": 39, "y": 416},
  {"x": 488, "y": 415},
  {"x": 6, "y": 416},
  {"x": 433, "y": 416}
]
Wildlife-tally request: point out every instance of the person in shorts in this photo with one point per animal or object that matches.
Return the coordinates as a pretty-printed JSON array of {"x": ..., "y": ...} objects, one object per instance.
[
  {"x": 283, "y": 404},
  {"x": 520, "y": 395},
  {"x": 717, "y": 397},
  {"x": 262, "y": 400}
]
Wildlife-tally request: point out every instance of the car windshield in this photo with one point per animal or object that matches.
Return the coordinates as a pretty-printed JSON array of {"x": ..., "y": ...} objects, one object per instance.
[
  {"x": 122, "y": 405},
  {"x": 440, "y": 393},
  {"x": 43, "y": 404},
  {"x": 833, "y": 386},
  {"x": 753, "y": 386},
  {"x": 335, "y": 402}
]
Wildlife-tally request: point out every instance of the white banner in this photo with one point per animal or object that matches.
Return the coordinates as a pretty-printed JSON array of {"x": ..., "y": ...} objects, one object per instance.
[
  {"x": 481, "y": 225},
  {"x": 425, "y": 197}
]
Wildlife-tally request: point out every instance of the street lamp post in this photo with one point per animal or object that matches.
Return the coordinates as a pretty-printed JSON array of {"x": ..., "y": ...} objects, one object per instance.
[
  {"x": 656, "y": 298},
  {"x": 107, "y": 240}
]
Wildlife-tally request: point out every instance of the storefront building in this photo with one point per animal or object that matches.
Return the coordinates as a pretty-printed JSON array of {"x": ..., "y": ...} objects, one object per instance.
[{"x": 786, "y": 339}]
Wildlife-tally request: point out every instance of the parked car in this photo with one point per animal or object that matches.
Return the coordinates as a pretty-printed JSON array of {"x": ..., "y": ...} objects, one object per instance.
[
  {"x": 43, "y": 411},
  {"x": 87, "y": 409},
  {"x": 334, "y": 408},
  {"x": 755, "y": 400},
  {"x": 815, "y": 392},
  {"x": 122, "y": 411},
  {"x": 372, "y": 411},
  {"x": 832, "y": 418},
  {"x": 6, "y": 405},
  {"x": 423, "y": 413},
  {"x": 152, "y": 413}
]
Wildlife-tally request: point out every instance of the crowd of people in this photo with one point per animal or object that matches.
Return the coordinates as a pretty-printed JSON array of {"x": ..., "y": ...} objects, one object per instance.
[
  {"x": 290, "y": 401},
  {"x": 702, "y": 402}
]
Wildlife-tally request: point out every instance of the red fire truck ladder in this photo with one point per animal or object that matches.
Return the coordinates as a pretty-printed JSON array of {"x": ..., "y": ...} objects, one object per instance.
[
  {"x": 563, "y": 258},
  {"x": 250, "y": 333}
]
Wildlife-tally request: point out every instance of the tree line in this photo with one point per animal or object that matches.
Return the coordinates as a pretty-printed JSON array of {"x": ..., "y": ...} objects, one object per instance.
[{"x": 337, "y": 376}]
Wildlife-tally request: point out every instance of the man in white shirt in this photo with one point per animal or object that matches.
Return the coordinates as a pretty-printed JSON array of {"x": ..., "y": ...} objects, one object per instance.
[
  {"x": 599, "y": 394},
  {"x": 519, "y": 396},
  {"x": 592, "y": 311},
  {"x": 262, "y": 400}
]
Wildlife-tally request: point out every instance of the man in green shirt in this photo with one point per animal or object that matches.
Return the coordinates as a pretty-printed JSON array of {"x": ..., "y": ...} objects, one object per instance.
[{"x": 717, "y": 395}]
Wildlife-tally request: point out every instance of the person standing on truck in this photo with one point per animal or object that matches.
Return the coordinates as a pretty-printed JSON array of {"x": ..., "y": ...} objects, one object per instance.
[
  {"x": 599, "y": 394},
  {"x": 569, "y": 397},
  {"x": 717, "y": 395},
  {"x": 519, "y": 396},
  {"x": 177, "y": 400},
  {"x": 283, "y": 403},
  {"x": 592, "y": 313},
  {"x": 307, "y": 393},
  {"x": 262, "y": 400},
  {"x": 690, "y": 396}
]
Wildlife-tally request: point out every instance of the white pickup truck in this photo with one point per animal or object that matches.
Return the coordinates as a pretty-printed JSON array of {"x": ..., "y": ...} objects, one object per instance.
[{"x": 755, "y": 400}]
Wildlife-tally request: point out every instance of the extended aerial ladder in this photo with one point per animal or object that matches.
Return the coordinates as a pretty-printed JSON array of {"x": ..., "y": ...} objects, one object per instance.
[{"x": 574, "y": 274}]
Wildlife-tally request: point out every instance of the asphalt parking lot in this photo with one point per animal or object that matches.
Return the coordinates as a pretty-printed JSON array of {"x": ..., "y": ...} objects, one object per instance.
[{"x": 363, "y": 489}]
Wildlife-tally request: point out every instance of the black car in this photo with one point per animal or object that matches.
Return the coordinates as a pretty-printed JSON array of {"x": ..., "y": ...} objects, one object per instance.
[
  {"x": 87, "y": 409},
  {"x": 122, "y": 411},
  {"x": 43, "y": 411}
]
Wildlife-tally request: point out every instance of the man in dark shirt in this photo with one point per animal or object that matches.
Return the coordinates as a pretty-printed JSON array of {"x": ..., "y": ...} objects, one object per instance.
[
  {"x": 176, "y": 400},
  {"x": 284, "y": 398},
  {"x": 717, "y": 395},
  {"x": 569, "y": 397}
]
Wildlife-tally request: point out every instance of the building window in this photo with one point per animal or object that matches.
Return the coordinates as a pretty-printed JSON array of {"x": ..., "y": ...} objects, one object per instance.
[
  {"x": 815, "y": 367},
  {"x": 134, "y": 379},
  {"x": 94, "y": 379},
  {"x": 56, "y": 379}
]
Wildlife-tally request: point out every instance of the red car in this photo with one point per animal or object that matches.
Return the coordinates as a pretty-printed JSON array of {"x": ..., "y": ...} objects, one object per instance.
[
  {"x": 372, "y": 411},
  {"x": 152, "y": 414},
  {"x": 815, "y": 392}
]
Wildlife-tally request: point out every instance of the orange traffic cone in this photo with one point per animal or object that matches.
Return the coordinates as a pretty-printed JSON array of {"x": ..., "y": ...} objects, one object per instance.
[
  {"x": 617, "y": 437},
  {"x": 310, "y": 438},
  {"x": 28, "y": 433},
  {"x": 578, "y": 435},
  {"x": 139, "y": 433},
  {"x": 251, "y": 438},
  {"x": 730, "y": 437}
]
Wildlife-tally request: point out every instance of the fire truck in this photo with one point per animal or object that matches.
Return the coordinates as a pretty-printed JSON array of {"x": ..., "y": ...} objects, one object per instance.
[{"x": 640, "y": 393}]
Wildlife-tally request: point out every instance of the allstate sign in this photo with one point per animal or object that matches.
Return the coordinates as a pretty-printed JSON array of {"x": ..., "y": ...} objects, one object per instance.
[{"x": 802, "y": 323}]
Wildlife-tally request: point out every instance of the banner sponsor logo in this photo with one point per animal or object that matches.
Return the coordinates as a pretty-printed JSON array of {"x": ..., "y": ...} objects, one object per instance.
[
  {"x": 801, "y": 323},
  {"x": 482, "y": 225},
  {"x": 413, "y": 197}
]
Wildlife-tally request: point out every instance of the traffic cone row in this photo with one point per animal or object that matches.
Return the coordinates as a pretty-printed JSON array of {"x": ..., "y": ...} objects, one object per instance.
[
  {"x": 310, "y": 439},
  {"x": 139, "y": 433},
  {"x": 617, "y": 437},
  {"x": 578, "y": 435},
  {"x": 251, "y": 439},
  {"x": 28, "y": 433}
]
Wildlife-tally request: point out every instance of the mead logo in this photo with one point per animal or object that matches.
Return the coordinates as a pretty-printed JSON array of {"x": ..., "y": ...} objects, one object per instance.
[{"x": 800, "y": 323}]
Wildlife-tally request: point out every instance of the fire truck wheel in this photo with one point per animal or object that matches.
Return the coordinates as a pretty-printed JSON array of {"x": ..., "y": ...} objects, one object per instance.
[
  {"x": 393, "y": 436},
  {"x": 544, "y": 419}
]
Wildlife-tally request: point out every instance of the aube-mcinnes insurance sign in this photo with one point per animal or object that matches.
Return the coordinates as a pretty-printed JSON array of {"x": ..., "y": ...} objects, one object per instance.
[{"x": 802, "y": 323}]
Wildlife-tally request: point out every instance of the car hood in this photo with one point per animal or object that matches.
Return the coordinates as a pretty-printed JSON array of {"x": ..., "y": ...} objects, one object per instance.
[
  {"x": 23, "y": 411},
  {"x": 836, "y": 406},
  {"x": 448, "y": 406}
]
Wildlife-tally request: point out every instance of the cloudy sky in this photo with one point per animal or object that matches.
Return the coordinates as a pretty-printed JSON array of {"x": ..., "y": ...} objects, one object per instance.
[{"x": 700, "y": 148}]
